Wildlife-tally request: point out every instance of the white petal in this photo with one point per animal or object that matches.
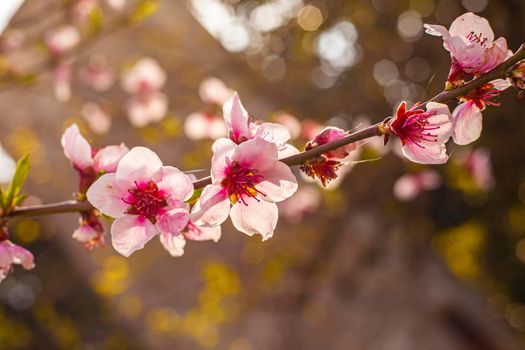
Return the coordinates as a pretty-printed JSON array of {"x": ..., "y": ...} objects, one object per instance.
[
  {"x": 468, "y": 123},
  {"x": 130, "y": 233},
  {"x": 212, "y": 208},
  {"x": 257, "y": 217},
  {"x": 139, "y": 164},
  {"x": 106, "y": 194}
]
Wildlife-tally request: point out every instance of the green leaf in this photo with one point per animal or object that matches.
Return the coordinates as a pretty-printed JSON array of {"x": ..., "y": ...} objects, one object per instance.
[
  {"x": 2, "y": 197},
  {"x": 20, "y": 176}
]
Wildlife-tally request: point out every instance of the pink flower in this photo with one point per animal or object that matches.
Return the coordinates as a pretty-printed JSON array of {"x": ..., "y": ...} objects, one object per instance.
[
  {"x": 62, "y": 39},
  {"x": 175, "y": 243},
  {"x": 78, "y": 150},
  {"x": 467, "y": 117},
  {"x": 423, "y": 134},
  {"x": 96, "y": 74},
  {"x": 147, "y": 108},
  {"x": 250, "y": 179},
  {"x": 11, "y": 254},
  {"x": 81, "y": 11},
  {"x": 90, "y": 231},
  {"x": 201, "y": 125},
  {"x": 145, "y": 76},
  {"x": 409, "y": 186},
  {"x": 215, "y": 91},
  {"x": 145, "y": 197},
  {"x": 62, "y": 81},
  {"x": 96, "y": 117},
  {"x": 478, "y": 165},
  {"x": 327, "y": 166},
  {"x": 241, "y": 128},
  {"x": 305, "y": 201},
  {"x": 471, "y": 44}
]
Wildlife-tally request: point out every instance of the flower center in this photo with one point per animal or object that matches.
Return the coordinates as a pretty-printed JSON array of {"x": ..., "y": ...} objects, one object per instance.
[
  {"x": 413, "y": 127},
  {"x": 145, "y": 200},
  {"x": 240, "y": 182},
  {"x": 477, "y": 38},
  {"x": 483, "y": 96}
]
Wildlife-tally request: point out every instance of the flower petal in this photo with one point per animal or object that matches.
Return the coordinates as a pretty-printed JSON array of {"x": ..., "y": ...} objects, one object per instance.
[
  {"x": 468, "y": 123},
  {"x": 174, "y": 220},
  {"x": 106, "y": 195},
  {"x": 139, "y": 164},
  {"x": 272, "y": 132},
  {"x": 278, "y": 183},
  {"x": 201, "y": 233},
  {"x": 76, "y": 148},
  {"x": 237, "y": 119},
  {"x": 259, "y": 154},
  {"x": 212, "y": 208},
  {"x": 222, "y": 152},
  {"x": 130, "y": 233},
  {"x": 175, "y": 183},
  {"x": 430, "y": 153},
  {"x": 468, "y": 23},
  {"x": 257, "y": 217},
  {"x": 174, "y": 244},
  {"x": 22, "y": 256},
  {"x": 108, "y": 158}
]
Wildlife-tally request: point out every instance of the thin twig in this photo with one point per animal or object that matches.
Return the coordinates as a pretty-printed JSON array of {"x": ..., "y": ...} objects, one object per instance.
[{"x": 500, "y": 72}]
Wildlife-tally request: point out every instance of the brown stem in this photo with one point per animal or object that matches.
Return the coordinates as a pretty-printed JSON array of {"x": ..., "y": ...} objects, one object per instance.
[{"x": 499, "y": 72}]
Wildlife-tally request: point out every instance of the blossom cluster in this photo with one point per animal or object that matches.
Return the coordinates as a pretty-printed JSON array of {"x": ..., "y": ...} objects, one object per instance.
[{"x": 251, "y": 179}]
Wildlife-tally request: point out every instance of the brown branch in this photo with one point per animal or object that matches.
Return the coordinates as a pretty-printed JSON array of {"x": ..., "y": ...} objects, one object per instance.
[{"x": 499, "y": 72}]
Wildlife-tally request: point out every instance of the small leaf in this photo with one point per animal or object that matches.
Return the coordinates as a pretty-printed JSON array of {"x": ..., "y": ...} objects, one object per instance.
[
  {"x": 195, "y": 197},
  {"x": 2, "y": 198},
  {"x": 21, "y": 172}
]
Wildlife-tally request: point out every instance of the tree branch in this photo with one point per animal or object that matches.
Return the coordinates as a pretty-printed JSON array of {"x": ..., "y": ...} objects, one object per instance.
[{"x": 500, "y": 72}]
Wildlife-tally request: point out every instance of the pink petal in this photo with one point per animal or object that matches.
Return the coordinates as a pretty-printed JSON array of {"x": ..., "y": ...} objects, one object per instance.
[
  {"x": 175, "y": 183},
  {"x": 201, "y": 233},
  {"x": 407, "y": 188},
  {"x": 76, "y": 148},
  {"x": 174, "y": 244},
  {"x": 442, "y": 120},
  {"x": 147, "y": 108},
  {"x": 85, "y": 233},
  {"x": 22, "y": 257},
  {"x": 467, "y": 123},
  {"x": 213, "y": 90},
  {"x": 237, "y": 118},
  {"x": 287, "y": 151},
  {"x": 212, "y": 208},
  {"x": 257, "y": 217},
  {"x": 272, "y": 132},
  {"x": 469, "y": 22},
  {"x": 430, "y": 153},
  {"x": 469, "y": 57},
  {"x": 501, "y": 84},
  {"x": 6, "y": 256},
  {"x": 222, "y": 152},
  {"x": 139, "y": 164},
  {"x": 130, "y": 233},
  {"x": 259, "y": 154},
  {"x": 146, "y": 75},
  {"x": 436, "y": 30},
  {"x": 278, "y": 183},
  {"x": 174, "y": 220},
  {"x": 108, "y": 158},
  {"x": 106, "y": 195}
]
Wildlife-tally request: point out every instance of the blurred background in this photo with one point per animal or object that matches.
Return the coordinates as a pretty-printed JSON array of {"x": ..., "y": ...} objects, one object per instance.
[{"x": 393, "y": 256}]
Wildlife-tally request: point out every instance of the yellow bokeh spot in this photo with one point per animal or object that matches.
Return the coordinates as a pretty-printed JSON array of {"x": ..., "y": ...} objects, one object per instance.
[
  {"x": 164, "y": 321},
  {"x": 461, "y": 247},
  {"x": 27, "y": 231},
  {"x": 113, "y": 278}
]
